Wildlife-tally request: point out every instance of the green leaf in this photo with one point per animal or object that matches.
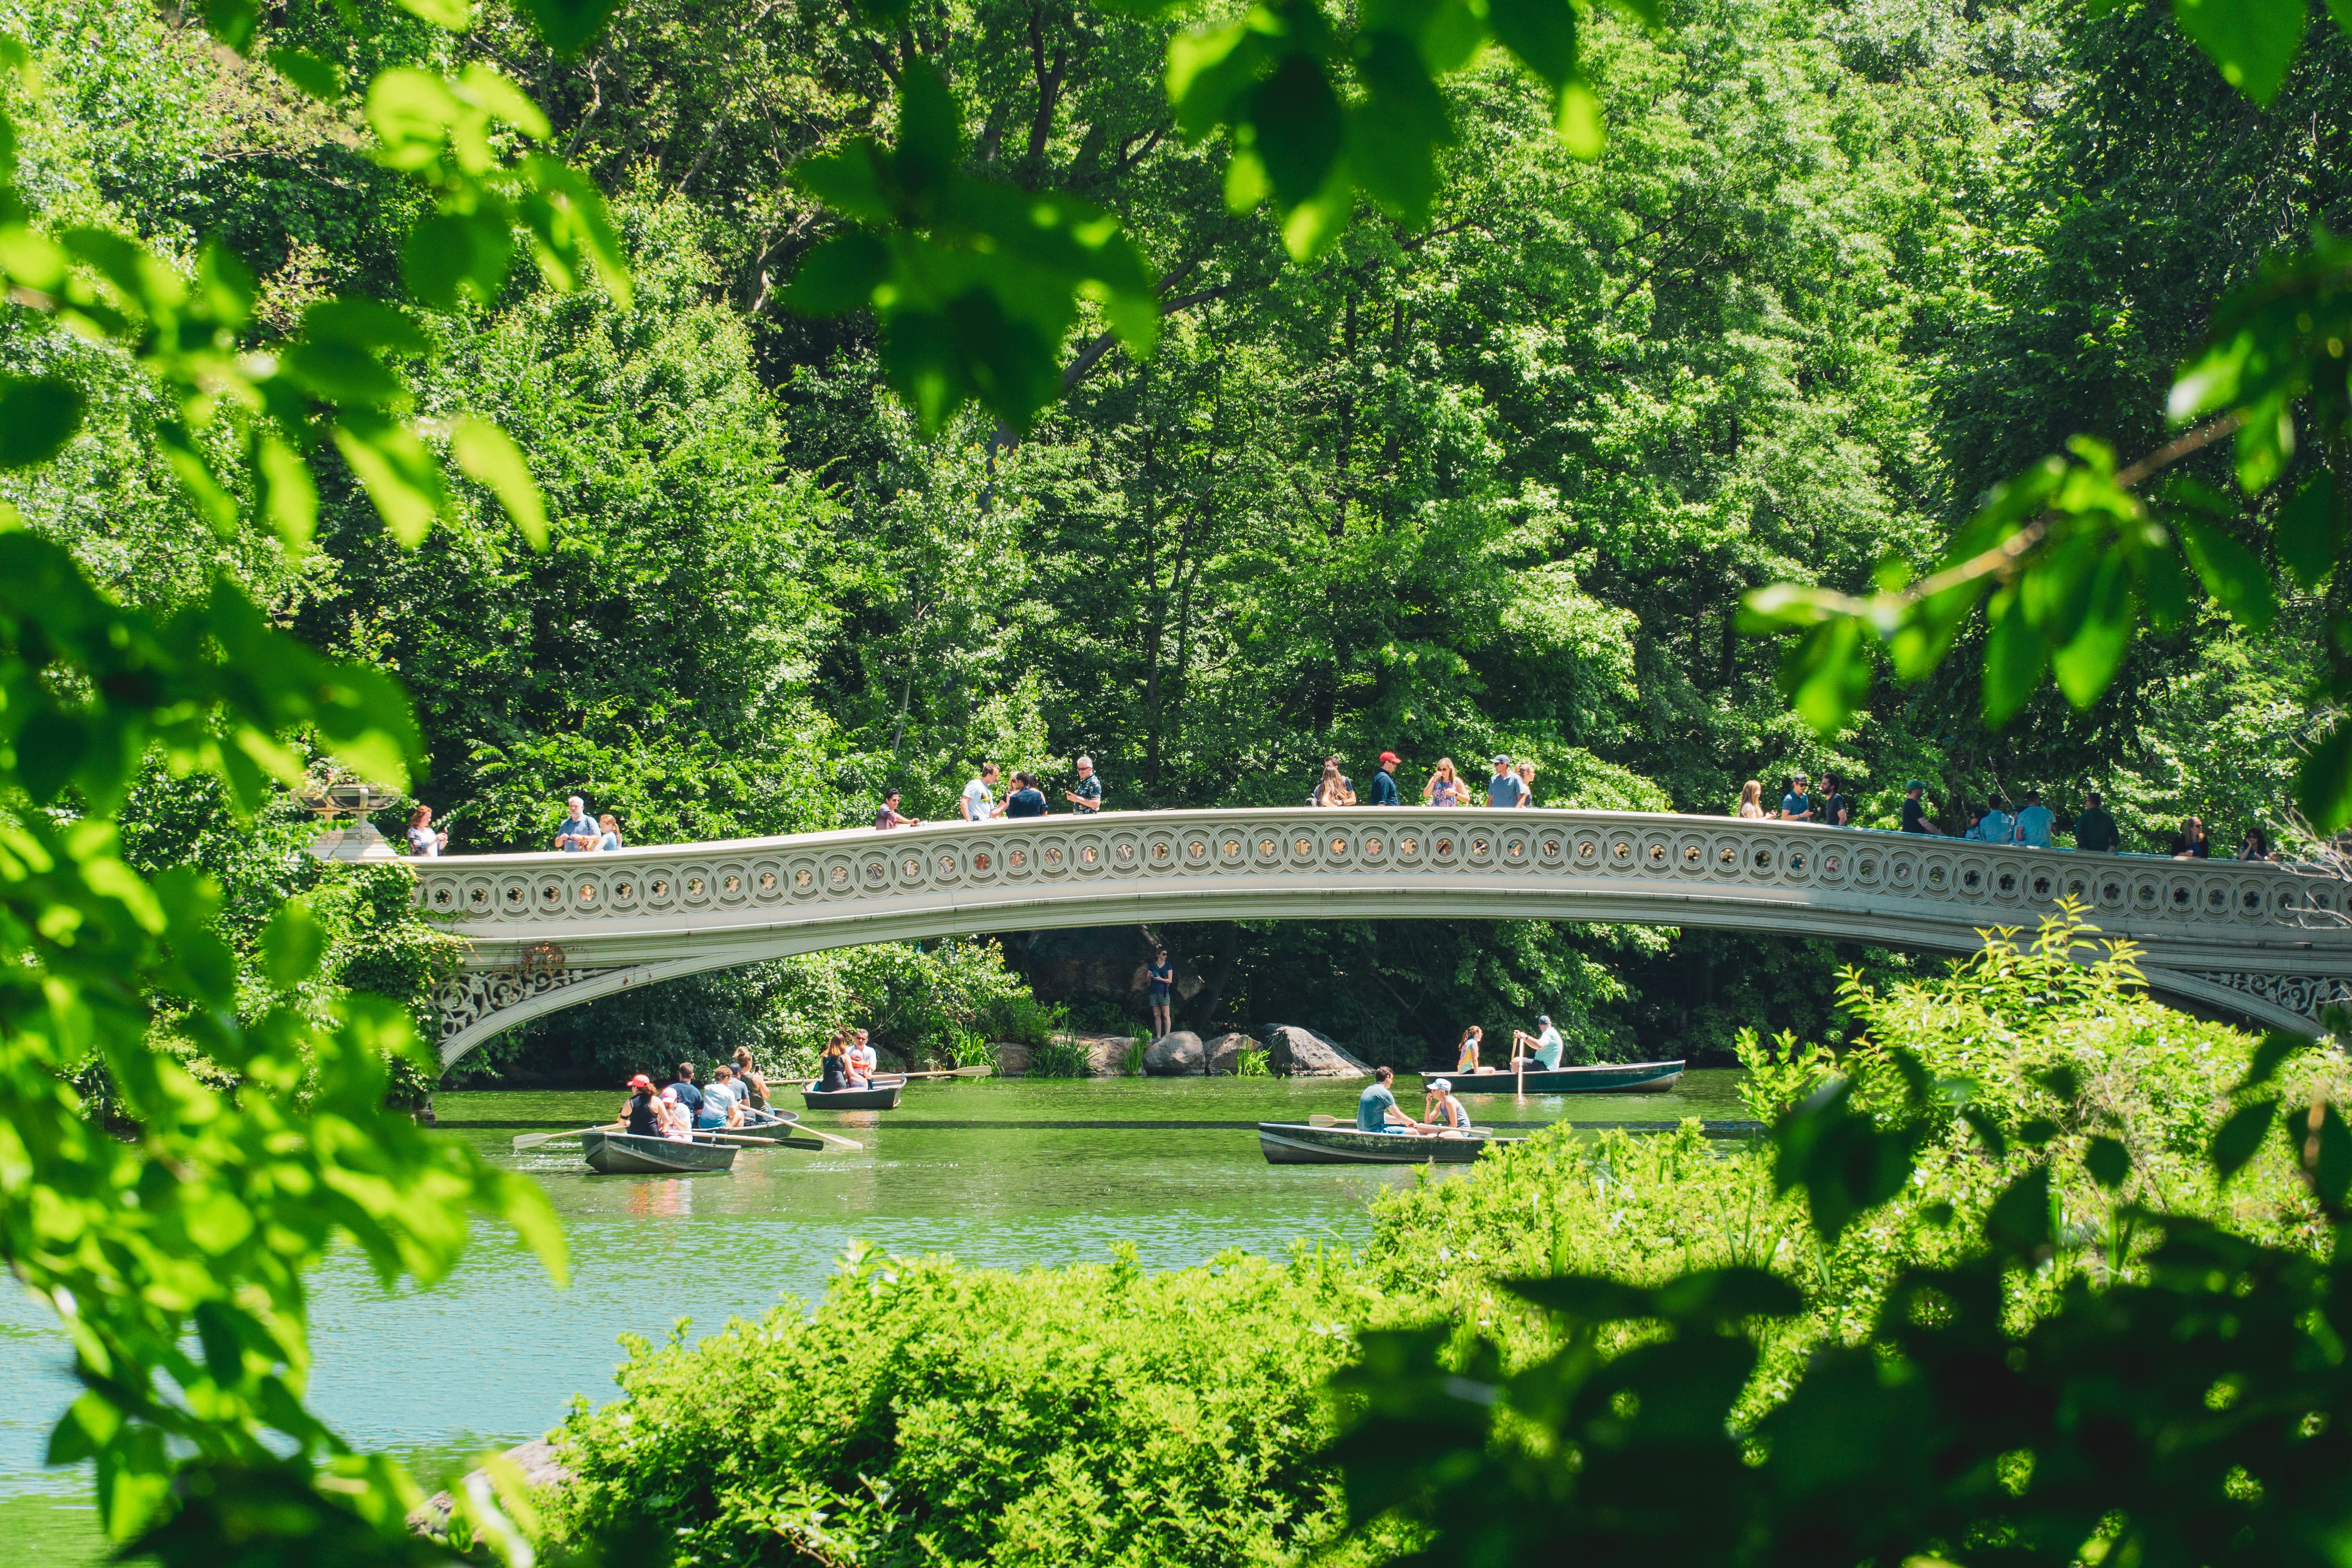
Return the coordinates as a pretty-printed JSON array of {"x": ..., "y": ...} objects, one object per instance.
[
  {"x": 411, "y": 112},
  {"x": 2309, "y": 530},
  {"x": 39, "y": 414},
  {"x": 1299, "y": 126},
  {"x": 454, "y": 257},
  {"x": 1826, "y": 673},
  {"x": 233, "y": 22},
  {"x": 292, "y": 943},
  {"x": 1988, "y": 1130},
  {"x": 2087, "y": 663},
  {"x": 489, "y": 455},
  {"x": 2109, "y": 1161},
  {"x": 2235, "y": 1141},
  {"x": 930, "y": 132},
  {"x": 2323, "y": 781},
  {"x": 503, "y": 100},
  {"x": 364, "y": 323},
  {"x": 2277, "y": 1046},
  {"x": 2019, "y": 1220},
  {"x": 341, "y": 372},
  {"x": 2230, "y": 573},
  {"x": 288, "y": 498},
  {"x": 2015, "y": 656},
  {"x": 568, "y": 25},
  {"x": 1578, "y": 120},
  {"x": 400, "y": 475},
  {"x": 2253, "y": 41},
  {"x": 320, "y": 79},
  {"x": 1541, "y": 33},
  {"x": 838, "y": 275},
  {"x": 574, "y": 229},
  {"x": 456, "y": 15}
]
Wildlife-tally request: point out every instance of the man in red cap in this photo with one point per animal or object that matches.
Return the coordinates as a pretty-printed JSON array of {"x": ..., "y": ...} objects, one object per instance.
[{"x": 1384, "y": 790}]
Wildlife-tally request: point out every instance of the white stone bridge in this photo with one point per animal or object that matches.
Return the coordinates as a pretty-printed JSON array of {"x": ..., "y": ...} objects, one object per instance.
[{"x": 2268, "y": 943}]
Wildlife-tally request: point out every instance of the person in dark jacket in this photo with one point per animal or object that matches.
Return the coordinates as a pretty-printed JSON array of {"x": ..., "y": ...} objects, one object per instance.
[
  {"x": 2094, "y": 830},
  {"x": 2190, "y": 843},
  {"x": 1384, "y": 789}
]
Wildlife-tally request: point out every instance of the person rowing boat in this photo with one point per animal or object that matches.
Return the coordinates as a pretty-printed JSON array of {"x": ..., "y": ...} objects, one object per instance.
[
  {"x": 1544, "y": 1050},
  {"x": 1376, "y": 1108}
]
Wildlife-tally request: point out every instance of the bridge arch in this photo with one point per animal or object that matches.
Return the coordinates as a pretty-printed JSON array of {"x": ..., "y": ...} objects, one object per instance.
[{"x": 2270, "y": 944}]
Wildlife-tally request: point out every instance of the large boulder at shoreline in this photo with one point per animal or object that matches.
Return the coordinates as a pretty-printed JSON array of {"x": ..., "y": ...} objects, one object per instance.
[
  {"x": 1177, "y": 1054},
  {"x": 1225, "y": 1054},
  {"x": 1294, "y": 1052},
  {"x": 541, "y": 1470},
  {"x": 1012, "y": 1057}
]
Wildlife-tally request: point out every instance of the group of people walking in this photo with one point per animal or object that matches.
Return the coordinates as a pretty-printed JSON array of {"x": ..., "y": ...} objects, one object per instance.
[{"x": 1510, "y": 785}]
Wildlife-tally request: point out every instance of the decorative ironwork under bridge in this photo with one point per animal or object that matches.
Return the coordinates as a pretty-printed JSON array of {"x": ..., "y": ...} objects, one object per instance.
[{"x": 2269, "y": 943}]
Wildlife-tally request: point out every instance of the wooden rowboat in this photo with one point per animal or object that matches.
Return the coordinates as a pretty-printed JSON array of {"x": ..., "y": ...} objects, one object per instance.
[
  {"x": 1295, "y": 1144},
  {"x": 1604, "y": 1078},
  {"x": 624, "y": 1154},
  {"x": 881, "y": 1095}
]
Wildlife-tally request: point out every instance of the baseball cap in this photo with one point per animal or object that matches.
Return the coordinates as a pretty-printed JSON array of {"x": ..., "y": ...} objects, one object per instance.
[
  {"x": 1440, "y": 1085},
  {"x": 641, "y": 1081},
  {"x": 1545, "y": 1019},
  {"x": 1387, "y": 756},
  {"x": 1917, "y": 784},
  {"x": 1502, "y": 759}
]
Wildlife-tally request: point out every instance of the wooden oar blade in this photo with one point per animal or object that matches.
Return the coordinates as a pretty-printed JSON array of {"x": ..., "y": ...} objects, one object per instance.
[{"x": 1319, "y": 1120}]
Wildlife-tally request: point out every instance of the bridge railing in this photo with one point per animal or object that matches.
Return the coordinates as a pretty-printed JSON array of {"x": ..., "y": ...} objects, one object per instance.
[{"x": 744, "y": 879}]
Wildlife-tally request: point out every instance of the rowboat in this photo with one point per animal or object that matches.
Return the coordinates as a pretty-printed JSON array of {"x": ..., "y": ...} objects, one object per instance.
[
  {"x": 629, "y": 1154},
  {"x": 1605, "y": 1077},
  {"x": 1295, "y": 1144},
  {"x": 881, "y": 1095}
]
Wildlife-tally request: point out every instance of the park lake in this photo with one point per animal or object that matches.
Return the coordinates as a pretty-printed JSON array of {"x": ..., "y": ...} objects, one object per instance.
[{"x": 1001, "y": 1173}]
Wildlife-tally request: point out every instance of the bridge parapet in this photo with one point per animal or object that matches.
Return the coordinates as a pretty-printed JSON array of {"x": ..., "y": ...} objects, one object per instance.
[{"x": 2271, "y": 941}]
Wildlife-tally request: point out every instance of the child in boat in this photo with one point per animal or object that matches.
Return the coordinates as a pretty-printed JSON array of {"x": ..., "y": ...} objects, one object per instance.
[
  {"x": 861, "y": 1060},
  {"x": 1446, "y": 1113}
]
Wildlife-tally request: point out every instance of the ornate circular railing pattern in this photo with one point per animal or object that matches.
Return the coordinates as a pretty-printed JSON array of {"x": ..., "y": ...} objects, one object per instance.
[{"x": 605, "y": 908}]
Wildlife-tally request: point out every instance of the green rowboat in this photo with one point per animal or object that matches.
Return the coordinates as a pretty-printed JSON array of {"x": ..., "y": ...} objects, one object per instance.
[
  {"x": 1295, "y": 1144},
  {"x": 1604, "y": 1078}
]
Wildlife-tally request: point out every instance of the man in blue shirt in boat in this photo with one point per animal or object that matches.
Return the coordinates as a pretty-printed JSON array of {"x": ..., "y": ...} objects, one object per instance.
[
  {"x": 1376, "y": 1108},
  {"x": 1547, "y": 1046}
]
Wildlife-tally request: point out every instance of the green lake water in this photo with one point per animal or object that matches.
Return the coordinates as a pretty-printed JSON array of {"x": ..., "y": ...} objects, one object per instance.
[{"x": 998, "y": 1173}]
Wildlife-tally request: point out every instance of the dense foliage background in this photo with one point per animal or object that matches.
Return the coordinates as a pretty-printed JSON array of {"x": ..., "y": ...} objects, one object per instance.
[{"x": 1491, "y": 484}]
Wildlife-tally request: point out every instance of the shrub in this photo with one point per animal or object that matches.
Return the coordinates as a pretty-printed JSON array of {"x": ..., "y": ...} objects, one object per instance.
[
  {"x": 1060, "y": 1057},
  {"x": 926, "y": 1413},
  {"x": 1253, "y": 1061}
]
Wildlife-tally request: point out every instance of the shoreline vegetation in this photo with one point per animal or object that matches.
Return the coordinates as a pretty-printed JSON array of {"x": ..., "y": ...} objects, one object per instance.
[{"x": 1099, "y": 1412}]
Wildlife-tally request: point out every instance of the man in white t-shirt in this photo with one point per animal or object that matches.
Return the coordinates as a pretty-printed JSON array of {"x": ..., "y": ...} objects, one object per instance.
[{"x": 979, "y": 802}]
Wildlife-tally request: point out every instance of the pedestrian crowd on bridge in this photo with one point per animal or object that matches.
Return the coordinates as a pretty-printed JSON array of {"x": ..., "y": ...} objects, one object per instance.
[{"x": 1509, "y": 785}]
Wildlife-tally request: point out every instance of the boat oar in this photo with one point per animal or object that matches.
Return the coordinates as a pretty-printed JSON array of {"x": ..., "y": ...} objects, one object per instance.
[
  {"x": 533, "y": 1139},
  {"x": 805, "y": 1131},
  {"x": 980, "y": 1071},
  {"x": 1319, "y": 1120}
]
